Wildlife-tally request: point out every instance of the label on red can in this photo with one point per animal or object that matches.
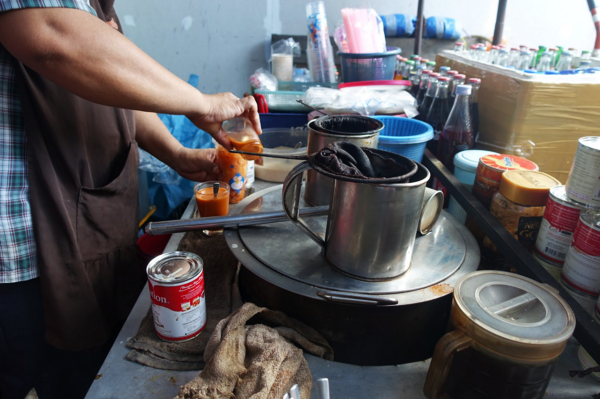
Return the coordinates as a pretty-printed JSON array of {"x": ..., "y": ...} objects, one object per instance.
[
  {"x": 176, "y": 282},
  {"x": 581, "y": 270},
  {"x": 557, "y": 227}
]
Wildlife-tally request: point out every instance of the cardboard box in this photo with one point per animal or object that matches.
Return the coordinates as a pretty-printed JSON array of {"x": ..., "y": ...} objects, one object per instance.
[{"x": 538, "y": 117}]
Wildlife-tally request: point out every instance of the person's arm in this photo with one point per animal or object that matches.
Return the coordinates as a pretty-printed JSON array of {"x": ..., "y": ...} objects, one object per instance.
[
  {"x": 153, "y": 136},
  {"x": 81, "y": 53}
]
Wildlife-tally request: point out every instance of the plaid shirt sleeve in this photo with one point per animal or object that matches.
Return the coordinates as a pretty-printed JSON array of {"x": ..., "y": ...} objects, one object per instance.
[{"x": 18, "y": 257}]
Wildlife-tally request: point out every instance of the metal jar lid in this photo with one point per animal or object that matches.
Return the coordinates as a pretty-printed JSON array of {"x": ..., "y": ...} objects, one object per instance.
[
  {"x": 519, "y": 310},
  {"x": 174, "y": 267}
]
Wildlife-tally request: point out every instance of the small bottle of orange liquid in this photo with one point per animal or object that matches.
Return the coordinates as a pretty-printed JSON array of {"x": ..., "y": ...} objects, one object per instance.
[
  {"x": 212, "y": 198},
  {"x": 243, "y": 136}
]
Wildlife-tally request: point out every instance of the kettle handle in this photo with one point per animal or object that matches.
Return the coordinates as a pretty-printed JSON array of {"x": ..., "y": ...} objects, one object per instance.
[
  {"x": 447, "y": 346},
  {"x": 290, "y": 196}
]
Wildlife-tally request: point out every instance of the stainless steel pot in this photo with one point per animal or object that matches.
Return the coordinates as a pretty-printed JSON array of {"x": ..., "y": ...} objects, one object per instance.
[
  {"x": 318, "y": 187},
  {"x": 371, "y": 228}
]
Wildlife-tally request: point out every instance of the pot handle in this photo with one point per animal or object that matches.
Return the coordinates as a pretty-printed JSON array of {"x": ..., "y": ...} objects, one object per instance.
[
  {"x": 443, "y": 354},
  {"x": 292, "y": 186}
]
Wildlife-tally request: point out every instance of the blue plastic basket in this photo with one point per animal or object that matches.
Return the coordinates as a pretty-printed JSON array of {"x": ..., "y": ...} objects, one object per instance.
[
  {"x": 404, "y": 136},
  {"x": 369, "y": 66}
]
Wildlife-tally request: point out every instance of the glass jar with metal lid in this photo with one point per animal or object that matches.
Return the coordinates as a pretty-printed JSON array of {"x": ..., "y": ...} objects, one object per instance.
[
  {"x": 508, "y": 334},
  {"x": 520, "y": 203}
]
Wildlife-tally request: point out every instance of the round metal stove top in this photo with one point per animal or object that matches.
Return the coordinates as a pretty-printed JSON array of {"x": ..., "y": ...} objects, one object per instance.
[{"x": 281, "y": 254}]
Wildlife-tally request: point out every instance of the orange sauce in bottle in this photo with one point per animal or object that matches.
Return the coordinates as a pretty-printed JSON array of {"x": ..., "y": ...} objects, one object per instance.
[
  {"x": 249, "y": 145},
  {"x": 233, "y": 172}
]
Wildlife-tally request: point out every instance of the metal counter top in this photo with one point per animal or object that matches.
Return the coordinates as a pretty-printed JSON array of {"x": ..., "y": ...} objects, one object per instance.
[{"x": 120, "y": 378}]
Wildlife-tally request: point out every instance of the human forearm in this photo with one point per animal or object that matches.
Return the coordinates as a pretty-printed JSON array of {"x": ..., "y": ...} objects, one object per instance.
[
  {"x": 154, "y": 137},
  {"x": 87, "y": 57}
]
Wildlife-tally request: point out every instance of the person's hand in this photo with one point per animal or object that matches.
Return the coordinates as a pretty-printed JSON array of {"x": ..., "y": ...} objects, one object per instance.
[
  {"x": 221, "y": 107},
  {"x": 197, "y": 165}
]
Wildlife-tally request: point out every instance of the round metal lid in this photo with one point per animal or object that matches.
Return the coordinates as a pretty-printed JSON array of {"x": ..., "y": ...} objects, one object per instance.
[
  {"x": 174, "y": 267},
  {"x": 284, "y": 249},
  {"x": 514, "y": 307},
  {"x": 346, "y": 125}
]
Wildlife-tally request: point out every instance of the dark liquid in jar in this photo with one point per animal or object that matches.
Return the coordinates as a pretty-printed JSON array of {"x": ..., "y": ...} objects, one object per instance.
[{"x": 474, "y": 375}]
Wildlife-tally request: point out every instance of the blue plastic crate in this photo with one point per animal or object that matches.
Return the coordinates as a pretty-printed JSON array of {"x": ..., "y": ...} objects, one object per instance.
[{"x": 404, "y": 136}]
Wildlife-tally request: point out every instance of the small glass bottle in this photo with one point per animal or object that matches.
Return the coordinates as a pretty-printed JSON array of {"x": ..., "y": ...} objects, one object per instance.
[
  {"x": 532, "y": 58},
  {"x": 451, "y": 75},
  {"x": 513, "y": 57},
  {"x": 576, "y": 57},
  {"x": 408, "y": 66},
  {"x": 586, "y": 56},
  {"x": 553, "y": 53},
  {"x": 459, "y": 46},
  {"x": 458, "y": 79},
  {"x": 481, "y": 54},
  {"x": 429, "y": 95},
  {"x": 502, "y": 59},
  {"x": 472, "y": 51},
  {"x": 399, "y": 67},
  {"x": 457, "y": 133},
  {"x": 544, "y": 64},
  {"x": 417, "y": 61},
  {"x": 523, "y": 62},
  {"x": 414, "y": 83},
  {"x": 565, "y": 61},
  {"x": 444, "y": 70},
  {"x": 439, "y": 111},
  {"x": 493, "y": 57},
  {"x": 474, "y": 104},
  {"x": 422, "y": 87},
  {"x": 431, "y": 65}
]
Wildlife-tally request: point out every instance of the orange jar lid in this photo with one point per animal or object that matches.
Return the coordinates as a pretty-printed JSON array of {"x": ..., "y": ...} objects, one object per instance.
[
  {"x": 525, "y": 187},
  {"x": 492, "y": 166}
]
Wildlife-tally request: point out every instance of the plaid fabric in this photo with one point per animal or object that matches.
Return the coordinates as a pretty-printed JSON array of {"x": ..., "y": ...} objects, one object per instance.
[{"x": 18, "y": 261}]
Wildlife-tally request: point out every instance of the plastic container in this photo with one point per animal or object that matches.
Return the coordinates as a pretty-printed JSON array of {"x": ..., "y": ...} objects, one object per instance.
[
  {"x": 404, "y": 136},
  {"x": 281, "y": 141},
  {"x": 284, "y": 101},
  {"x": 303, "y": 86},
  {"x": 369, "y": 66},
  {"x": 465, "y": 168}
]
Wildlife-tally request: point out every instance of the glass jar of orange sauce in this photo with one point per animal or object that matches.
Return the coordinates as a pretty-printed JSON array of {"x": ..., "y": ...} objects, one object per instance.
[{"x": 212, "y": 199}]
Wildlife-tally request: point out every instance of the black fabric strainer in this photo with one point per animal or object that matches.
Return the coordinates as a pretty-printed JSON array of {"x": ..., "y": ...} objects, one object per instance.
[
  {"x": 346, "y": 125},
  {"x": 346, "y": 161}
]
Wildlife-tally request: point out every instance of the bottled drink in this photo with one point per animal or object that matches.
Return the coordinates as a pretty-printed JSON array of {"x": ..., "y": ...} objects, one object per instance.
[
  {"x": 513, "y": 57},
  {"x": 564, "y": 64},
  {"x": 493, "y": 57},
  {"x": 458, "y": 46},
  {"x": 474, "y": 111},
  {"x": 414, "y": 83},
  {"x": 502, "y": 58},
  {"x": 438, "y": 111},
  {"x": 451, "y": 75},
  {"x": 429, "y": 95},
  {"x": 407, "y": 69},
  {"x": 586, "y": 56},
  {"x": 444, "y": 70},
  {"x": 545, "y": 61},
  {"x": 532, "y": 58},
  {"x": 558, "y": 54},
  {"x": 472, "y": 51},
  {"x": 576, "y": 57},
  {"x": 523, "y": 62},
  {"x": 523, "y": 47},
  {"x": 417, "y": 61},
  {"x": 541, "y": 51},
  {"x": 553, "y": 52},
  {"x": 431, "y": 64},
  {"x": 457, "y": 134},
  {"x": 399, "y": 68},
  {"x": 481, "y": 54},
  {"x": 424, "y": 61},
  {"x": 422, "y": 87},
  {"x": 457, "y": 80}
]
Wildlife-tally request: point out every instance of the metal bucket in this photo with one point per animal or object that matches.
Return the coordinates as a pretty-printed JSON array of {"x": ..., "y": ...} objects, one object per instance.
[
  {"x": 360, "y": 130},
  {"x": 371, "y": 228}
]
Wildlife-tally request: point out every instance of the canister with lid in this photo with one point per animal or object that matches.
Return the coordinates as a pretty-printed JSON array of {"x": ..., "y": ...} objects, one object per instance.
[
  {"x": 581, "y": 270},
  {"x": 583, "y": 184},
  {"x": 520, "y": 204},
  {"x": 557, "y": 227},
  {"x": 465, "y": 168},
  {"x": 489, "y": 173},
  {"x": 508, "y": 334}
]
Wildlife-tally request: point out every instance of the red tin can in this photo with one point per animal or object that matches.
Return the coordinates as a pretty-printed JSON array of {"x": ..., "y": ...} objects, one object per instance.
[{"x": 176, "y": 282}]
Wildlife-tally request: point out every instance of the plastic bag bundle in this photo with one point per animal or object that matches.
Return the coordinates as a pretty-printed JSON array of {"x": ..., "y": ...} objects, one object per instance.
[
  {"x": 364, "y": 101},
  {"x": 262, "y": 79}
]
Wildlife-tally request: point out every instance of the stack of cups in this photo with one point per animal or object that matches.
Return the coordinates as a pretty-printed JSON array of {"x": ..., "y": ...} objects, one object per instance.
[{"x": 319, "y": 51}]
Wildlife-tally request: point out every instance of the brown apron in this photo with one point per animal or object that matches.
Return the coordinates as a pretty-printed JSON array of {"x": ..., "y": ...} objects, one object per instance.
[{"x": 84, "y": 196}]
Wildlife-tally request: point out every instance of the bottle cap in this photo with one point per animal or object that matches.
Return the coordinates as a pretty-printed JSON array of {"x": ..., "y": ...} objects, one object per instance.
[
  {"x": 431, "y": 63},
  {"x": 424, "y": 60},
  {"x": 525, "y": 187},
  {"x": 495, "y": 47},
  {"x": 553, "y": 49},
  {"x": 533, "y": 49},
  {"x": 410, "y": 62},
  {"x": 434, "y": 75},
  {"x": 473, "y": 47},
  {"x": 480, "y": 44},
  {"x": 459, "y": 76},
  {"x": 585, "y": 52},
  {"x": 443, "y": 79},
  {"x": 463, "y": 90},
  {"x": 452, "y": 72},
  {"x": 474, "y": 80},
  {"x": 458, "y": 43},
  {"x": 445, "y": 68},
  {"x": 514, "y": 48},
  {"x": 567, "y": 53},
  {"x": 503, "y": 50}
]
